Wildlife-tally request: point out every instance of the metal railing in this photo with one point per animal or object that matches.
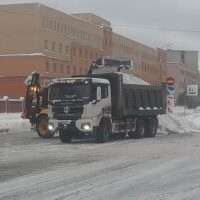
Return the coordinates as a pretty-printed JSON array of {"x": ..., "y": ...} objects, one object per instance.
[{"x": 11, "y": 105}]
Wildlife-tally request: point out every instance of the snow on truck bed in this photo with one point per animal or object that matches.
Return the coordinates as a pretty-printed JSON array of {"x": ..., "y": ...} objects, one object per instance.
[
  {"x": 179, "y": 122},
  {"x": 131, "y": 79}
]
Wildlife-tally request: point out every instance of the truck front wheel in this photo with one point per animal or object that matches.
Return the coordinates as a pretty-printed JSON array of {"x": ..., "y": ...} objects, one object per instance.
[
  {"x": 103, "y": 131},
  {"x": 42, "y": 127},
  {"x": 65, "y": 137}
]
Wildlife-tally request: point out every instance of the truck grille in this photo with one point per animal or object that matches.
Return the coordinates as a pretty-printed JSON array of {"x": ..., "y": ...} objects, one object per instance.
[{"x": 73, "y": 114}]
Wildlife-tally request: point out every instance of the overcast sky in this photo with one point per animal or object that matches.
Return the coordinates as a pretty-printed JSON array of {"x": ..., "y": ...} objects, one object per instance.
[{"x": 172, "y": 24}]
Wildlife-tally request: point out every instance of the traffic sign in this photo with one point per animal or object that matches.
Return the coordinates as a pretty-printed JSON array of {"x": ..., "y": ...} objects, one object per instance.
[
  {"x": 170, "y": 90},
  {"x": 192, "y": 90},
  {"x": 170, "y": 81}
]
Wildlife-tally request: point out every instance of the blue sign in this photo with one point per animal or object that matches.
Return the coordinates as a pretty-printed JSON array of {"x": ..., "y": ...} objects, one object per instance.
[{"x": 170, "y": 90}]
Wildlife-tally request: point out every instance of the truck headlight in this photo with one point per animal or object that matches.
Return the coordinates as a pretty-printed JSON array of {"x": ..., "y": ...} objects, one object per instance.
[
  {"x": 86, "y": 126},
  {"x": 50, "y": 127}
]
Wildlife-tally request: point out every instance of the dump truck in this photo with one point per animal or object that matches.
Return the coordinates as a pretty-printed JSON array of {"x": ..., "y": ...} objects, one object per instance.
[{"x": 104, "y": 105}]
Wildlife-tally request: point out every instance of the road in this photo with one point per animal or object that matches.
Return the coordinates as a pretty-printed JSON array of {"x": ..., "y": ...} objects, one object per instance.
[{"x": 164, "y": 167}]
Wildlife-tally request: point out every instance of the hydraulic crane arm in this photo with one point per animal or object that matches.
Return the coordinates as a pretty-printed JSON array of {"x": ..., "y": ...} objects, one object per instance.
[{"x": 32, "y": 98}]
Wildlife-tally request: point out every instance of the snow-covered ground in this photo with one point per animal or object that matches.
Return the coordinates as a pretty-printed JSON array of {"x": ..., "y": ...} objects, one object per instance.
[
  {"x": 179, "y": 122},
  {"x": 12, "y": 123}
]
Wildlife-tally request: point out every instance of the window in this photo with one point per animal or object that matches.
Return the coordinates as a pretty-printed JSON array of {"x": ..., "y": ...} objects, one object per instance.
[
  {"x": 47, "y": 24},
  {"x": 54, "y": 68},
  {"x": 86, "y": 54},
  {"x": 104, "y": 91},
  {"x": 53, "y": 47},
  {"x": 80, "y": 52},
  {"x": 68, "y": 30},
  {"x": 68, "y": 70},
  {"x": 91, "y": 55},
  {"x": 54, "y": 26},
  {"x": 46, "y": 45},
  {"x": 77, "y": 33},
  {"x": 43, "y": 22},
  {"x": 106, "y": 43},
  {"x": 183, "y": 57},
  {"x": 47, "y": 67},
  {"x": 51, "y": 25},
  {"x": 74, "y": 51},
  {"x": 81, "y": 34},
  {"x": 81, "y": 70},
  {"x": 61, "y": 69},
  {"x": 67, "y": 49},
  {"x": 61, "y": 28},
  {"x": 58, "y": 27},
  {"x": 60, "y": 48},
  {"x": 72, "y": 31},
  {"x": 65, "y": 29},
  {"x": 74, "y": 70}
]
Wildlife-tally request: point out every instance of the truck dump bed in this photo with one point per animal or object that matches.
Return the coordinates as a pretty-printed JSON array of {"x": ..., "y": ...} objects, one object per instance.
[{"x": 132, "y": 96}]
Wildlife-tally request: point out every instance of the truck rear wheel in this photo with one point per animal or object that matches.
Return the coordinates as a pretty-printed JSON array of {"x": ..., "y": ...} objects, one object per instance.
[
  {"x": 65, "y": 137},
  {"x": 103, "y": 131},
  {"x": 140, "y": 130},
  {"x": 151, "y": 127},
  {"x": 42, "y": 127}
]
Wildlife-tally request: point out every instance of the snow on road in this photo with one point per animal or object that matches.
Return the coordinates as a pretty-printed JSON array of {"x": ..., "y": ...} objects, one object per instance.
[{"x": 180, "y": 121}]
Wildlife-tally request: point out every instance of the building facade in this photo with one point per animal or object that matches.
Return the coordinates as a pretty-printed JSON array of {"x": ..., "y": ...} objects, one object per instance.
[
  {"x": 183, "y": 67},
  {"x": 34, "y": 37}
]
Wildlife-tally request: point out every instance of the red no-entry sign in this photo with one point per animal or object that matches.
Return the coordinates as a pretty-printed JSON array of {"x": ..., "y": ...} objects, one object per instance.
[{"x": 170, "y": 81}]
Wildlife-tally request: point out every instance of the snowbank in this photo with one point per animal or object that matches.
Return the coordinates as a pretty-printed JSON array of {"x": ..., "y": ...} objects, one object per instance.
[
  {"x": 180, "y": 121},
  {"x": 12, "y": 122}
]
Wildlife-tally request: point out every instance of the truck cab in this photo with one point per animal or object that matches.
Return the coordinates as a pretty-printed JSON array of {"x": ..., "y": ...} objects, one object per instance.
[{"x": 77, "y": 106}]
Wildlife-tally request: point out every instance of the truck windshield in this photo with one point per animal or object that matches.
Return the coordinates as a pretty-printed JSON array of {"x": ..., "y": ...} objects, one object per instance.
[{"x": 70, "y": 92}]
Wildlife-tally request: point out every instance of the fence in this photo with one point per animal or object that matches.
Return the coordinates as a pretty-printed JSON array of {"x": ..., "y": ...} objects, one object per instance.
[{"x": 8, "y": 105}]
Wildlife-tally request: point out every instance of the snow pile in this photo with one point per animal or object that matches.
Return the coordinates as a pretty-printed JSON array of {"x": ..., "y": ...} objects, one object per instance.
[
  {"x": 181, "y": 121},
  {"x": 12, "y": 122}
]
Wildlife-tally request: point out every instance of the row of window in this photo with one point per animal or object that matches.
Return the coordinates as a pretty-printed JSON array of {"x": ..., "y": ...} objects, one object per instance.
[
  {"x": 71, "y": 31},
  {"x": 133, "y": 52},
  {"x": 190, "y": 82},
  {"x": 61, "y": 70},
  {"x": 188, "y": 74},
  {"x": 84, "y": 53},
  {"x": 55, "y": 47},
  {"x": 150, "y": 69},
  {"x": 146, "y": 56}
]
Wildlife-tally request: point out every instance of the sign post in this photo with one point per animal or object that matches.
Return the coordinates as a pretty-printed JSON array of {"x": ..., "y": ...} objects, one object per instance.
[{"x": 170, "y": 81}]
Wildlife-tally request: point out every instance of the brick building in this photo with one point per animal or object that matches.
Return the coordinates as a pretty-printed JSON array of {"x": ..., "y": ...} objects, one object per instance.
[
  {"x": 183, "y": 67},
  {"x": 34, "y": 37}
]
